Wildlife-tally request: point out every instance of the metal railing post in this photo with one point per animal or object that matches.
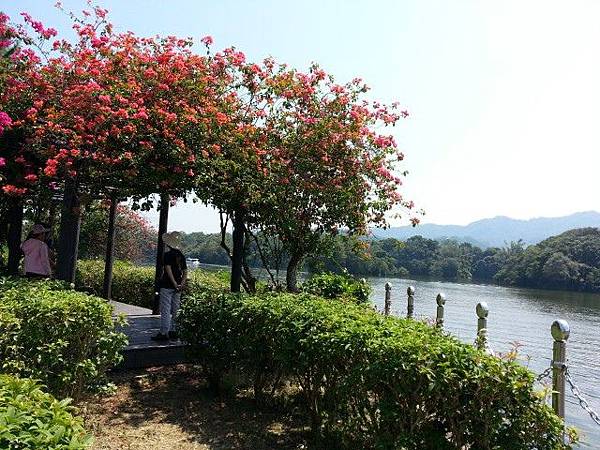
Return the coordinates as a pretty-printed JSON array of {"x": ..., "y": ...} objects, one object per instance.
[
  {"x": 482, "y": 311},
  {"x": 560, "y": 332},
  {"x": 410, "y": 309},
  {"x": 439, "y": 319},
  {"x": 388, "y": 299}
]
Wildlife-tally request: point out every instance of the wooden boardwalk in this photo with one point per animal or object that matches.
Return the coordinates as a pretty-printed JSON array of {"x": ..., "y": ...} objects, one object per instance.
[{"x": 143, "y": 351}]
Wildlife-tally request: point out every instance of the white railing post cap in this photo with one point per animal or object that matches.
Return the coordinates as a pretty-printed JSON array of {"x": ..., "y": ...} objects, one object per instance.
[
  {"x": 482, "y": 310},
  {"x": 441, "y": 299},
  {"x": 560, "y": 330}
]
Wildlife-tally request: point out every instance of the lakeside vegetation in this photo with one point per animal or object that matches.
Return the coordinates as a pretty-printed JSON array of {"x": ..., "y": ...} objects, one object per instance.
[
  {"x": 56, "y": 344},
  {"x": 332, "y": 358},
  {"x": 344, "y": 358},
  {"x": 288, "y": 159},
  {"x": 569, "y": 261}
]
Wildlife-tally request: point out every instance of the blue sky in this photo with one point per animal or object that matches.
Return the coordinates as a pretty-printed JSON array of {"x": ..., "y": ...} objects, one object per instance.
[{"x": 504, "y": 95}]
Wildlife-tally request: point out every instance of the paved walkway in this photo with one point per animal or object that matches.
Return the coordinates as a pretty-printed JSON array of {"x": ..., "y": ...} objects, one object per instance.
[{"x": 142, "y": 351}]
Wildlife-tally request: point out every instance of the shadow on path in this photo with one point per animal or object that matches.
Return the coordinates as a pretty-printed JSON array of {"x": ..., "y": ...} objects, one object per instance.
[{"x": 171, "y": 407}]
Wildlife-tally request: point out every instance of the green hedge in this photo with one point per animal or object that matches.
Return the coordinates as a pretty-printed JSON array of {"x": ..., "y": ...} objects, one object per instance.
[
  {"x": 33, "y": 419},
  {"x": 338, "y": 286},
  {"x": 131, "y": 284},
  {"x": 65, "y": 339},
  {"x": 370, "y": 381},
  {"x": 134, "y": 285}
]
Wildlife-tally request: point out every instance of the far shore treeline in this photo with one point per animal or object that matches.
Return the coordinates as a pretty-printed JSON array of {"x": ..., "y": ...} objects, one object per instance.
[{"x": 569, "y": 261}]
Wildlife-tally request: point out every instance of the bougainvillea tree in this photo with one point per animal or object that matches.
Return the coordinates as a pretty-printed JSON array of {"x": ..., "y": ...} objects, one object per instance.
[
  {"x": 330, "y": 166},
  {"x": 127, "y": 114},
  {"x": 273, "y": 149},
  {"x": 303, "y": 157},
  {"x": 126, "y": 118},
  {"x": 229, "y": 163},
  {"x": 6, "y": 44},
  {"x": 19, "y": 64},
  {"x": 135, "y": 237}
]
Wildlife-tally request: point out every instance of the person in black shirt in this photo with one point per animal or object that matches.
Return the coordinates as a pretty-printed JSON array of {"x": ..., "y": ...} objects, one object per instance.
[{"x": 171, "y": 284}]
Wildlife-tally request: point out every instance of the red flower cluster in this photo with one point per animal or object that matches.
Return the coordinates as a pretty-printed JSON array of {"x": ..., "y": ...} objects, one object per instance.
[{"x": 46, "y": 33}]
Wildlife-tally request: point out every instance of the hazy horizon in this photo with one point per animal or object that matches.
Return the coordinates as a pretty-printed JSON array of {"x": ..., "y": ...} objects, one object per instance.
[{"x": 180, "y": 215}]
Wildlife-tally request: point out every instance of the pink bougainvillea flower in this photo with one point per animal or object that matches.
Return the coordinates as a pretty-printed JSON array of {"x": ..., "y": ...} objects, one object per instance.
[
  {"x": 13, "y": 190},
  {"x": 5, "y": 121}
]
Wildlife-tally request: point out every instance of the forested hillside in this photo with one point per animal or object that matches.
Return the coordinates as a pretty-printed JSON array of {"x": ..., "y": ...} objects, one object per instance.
[
  {"x": 417, "y": 256},
  {"x": 569, "y": 261}
]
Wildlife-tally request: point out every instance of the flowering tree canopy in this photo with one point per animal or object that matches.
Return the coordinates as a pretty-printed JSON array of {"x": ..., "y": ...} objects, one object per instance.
[
  {"x": 19, "y": 64},
  {"x": 135, "y": 237},
  {"x": 118, "y": 110},
  {"x": 331, "y": 169},
  {"x": 301, "y": 157},
  {"x": 292, "y": 154}
]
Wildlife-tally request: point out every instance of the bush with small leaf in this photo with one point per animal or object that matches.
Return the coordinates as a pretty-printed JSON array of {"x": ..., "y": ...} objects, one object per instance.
[
  {"x": 339, "y": 286},
  {"x": 134, "y": 284},
  {"x": 64, "y": 338},
  {"x": 131, "y": 284},
  {"x": 370, "y": 381},
  {"x": 33, "y": 419}
]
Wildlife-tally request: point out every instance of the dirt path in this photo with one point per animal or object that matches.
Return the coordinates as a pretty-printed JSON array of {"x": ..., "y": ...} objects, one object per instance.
[{"x": 171, "y": 408}]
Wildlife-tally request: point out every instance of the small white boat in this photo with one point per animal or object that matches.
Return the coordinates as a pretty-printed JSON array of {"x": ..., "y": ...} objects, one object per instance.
[{"x": 192, "y": 262}]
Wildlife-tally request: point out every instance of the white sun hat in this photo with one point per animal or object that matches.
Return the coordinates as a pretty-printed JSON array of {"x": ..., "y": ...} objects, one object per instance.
[{"x": 172, "y": 239}]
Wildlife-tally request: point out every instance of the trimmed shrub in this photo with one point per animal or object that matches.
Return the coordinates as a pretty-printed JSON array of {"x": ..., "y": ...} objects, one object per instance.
[
  {"x": 131, "y": 284},
  {"x": 202, "y": 280},
  {"x": 370, "y": 381},
  {"x": 33, "y": 419},
  {"x": 65, "y": 339},
  {"x": 134, "y": 284},
  {"x": 339, "y": 286}
]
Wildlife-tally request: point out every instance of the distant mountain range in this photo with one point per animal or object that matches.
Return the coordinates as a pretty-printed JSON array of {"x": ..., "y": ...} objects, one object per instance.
[{"x": 497, "y": 231}]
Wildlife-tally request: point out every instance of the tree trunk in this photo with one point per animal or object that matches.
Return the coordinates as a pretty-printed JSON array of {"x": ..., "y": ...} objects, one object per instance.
[
  {"x": 250, "y": 279},
  {"x": 110, "y": 248},
  {"x": 163, "y": 222},
  {"x": 237, "y": 254},
  {"x": 13, "y": 237},
  {"x": 291, "y": 276},
  {"x": 68, "y": 239}
]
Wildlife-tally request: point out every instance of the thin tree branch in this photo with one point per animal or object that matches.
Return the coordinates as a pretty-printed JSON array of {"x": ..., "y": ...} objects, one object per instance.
[
  {"x": 224, "y": 233},
  {"x": 263, "y": 258}
]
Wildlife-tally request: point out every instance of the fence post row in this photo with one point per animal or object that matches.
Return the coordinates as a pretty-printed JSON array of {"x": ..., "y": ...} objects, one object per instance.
[
  {"x": 388, "y": 299},
  {"x": 560, "y": 332},
  {"x": 439, "y": 319},
  {"x": 410, "y": 309},
  {"x": 482, "y": 311}
]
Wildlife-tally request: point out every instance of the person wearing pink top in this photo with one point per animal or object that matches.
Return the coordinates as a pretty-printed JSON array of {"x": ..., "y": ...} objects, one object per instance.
[{"x": 37, "y": 259}]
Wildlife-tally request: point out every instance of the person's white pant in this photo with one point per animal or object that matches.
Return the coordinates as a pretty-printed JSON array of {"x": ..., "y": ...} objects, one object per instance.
[{"x": 169, "y": 305}]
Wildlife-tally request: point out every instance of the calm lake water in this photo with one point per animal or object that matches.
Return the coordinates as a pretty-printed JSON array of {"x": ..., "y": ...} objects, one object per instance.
[{"x": 523, "y": 316}]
